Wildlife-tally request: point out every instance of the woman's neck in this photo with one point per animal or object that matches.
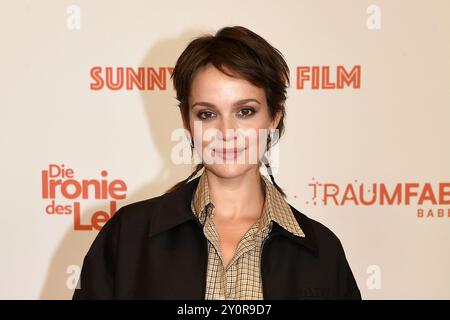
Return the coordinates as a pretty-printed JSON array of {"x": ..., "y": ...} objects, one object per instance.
[{"x": 239, "y": 198}]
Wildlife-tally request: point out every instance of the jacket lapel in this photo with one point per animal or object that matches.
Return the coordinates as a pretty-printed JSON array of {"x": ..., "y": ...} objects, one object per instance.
[{"x": 177, "y": 248}]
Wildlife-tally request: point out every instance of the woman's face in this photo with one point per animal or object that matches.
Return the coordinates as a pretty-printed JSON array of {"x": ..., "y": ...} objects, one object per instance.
[{"x": 229, "y": 120}]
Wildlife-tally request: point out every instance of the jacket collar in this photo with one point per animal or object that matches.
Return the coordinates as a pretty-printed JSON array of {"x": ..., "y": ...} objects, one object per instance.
[
  {"x": 275, "y": 208},
  {"x": 174, "y": 208}
]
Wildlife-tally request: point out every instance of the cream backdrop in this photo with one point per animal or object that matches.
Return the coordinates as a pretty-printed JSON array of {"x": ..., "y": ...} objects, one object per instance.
[{"x": 393, "y": 129}]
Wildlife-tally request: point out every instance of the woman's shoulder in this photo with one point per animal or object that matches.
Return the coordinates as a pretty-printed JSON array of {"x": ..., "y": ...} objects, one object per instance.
[
  {"x": 138, "y": 211},
  {"x": 321, "y": 236},
  {"x": 163, "y": 211},
  {"x": 329, "y": 252}
]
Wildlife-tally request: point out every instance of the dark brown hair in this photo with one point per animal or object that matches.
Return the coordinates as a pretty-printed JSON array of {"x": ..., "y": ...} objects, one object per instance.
[{"x": 246, "y": 55}]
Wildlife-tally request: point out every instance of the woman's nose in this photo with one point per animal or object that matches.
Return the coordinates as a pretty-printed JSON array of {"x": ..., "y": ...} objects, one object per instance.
[{"x": 226, "y": 130}]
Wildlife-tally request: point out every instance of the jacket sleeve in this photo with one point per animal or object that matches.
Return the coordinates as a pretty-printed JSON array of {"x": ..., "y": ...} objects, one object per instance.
[
  {"x": 348, "y": 288},
  {"x": 97, "y": 273}
]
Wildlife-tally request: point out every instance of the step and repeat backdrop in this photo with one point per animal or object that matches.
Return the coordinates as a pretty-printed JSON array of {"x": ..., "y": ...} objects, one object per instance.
[{"x": 88, "y": 110}]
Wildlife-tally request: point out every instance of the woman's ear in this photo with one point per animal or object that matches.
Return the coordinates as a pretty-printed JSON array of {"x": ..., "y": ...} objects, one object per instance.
[{"x": 276, "y": 120}]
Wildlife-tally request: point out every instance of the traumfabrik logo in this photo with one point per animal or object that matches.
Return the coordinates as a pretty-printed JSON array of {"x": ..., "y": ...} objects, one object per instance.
[
  {"x": 149, "y": 78},
  {"x": 58, "y": 182},
  {"x": 422, "y": 195}
]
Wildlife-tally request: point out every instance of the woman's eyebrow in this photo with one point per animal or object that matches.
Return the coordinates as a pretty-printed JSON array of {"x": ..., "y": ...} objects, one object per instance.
[{"x": 239, "y": 102}]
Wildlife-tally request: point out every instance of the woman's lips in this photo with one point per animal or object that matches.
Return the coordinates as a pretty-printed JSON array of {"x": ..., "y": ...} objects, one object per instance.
[
  {"x": 228, "y": 150},
  {"x": 229, "y": 153}
]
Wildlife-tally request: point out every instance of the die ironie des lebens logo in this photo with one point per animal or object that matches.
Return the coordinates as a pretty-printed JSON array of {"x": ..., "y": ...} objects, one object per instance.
[
  {"x": 59, "y": 184},
  {"x": 430, "y": 200},
  {"x": 149, "y": 78}
]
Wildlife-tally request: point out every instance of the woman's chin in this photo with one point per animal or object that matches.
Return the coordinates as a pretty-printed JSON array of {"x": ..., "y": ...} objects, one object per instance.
[{"x": 229, "y": 170}]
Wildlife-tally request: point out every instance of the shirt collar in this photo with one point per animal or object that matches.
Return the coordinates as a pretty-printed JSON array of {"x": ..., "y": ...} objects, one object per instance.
[
  {"x": 275, "y": 206},
  {"x": 174, "y": 209}
]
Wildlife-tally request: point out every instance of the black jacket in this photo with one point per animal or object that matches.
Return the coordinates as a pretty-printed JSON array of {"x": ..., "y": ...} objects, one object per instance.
[{"x": 156, "y": 249}]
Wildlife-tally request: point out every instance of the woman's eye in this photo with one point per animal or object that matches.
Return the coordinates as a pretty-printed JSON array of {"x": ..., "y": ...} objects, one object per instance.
[
  {"x": 205, "y": 115},
  {"x": 246, "y": 112},
  {"x": 243, "y": 113}
]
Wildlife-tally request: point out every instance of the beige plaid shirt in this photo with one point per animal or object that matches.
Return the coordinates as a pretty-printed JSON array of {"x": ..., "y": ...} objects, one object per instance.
[{"x": 241, "y": 279}]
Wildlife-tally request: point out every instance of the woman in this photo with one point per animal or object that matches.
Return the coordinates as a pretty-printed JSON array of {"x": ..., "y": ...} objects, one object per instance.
[{"x": 229, "y": 233}]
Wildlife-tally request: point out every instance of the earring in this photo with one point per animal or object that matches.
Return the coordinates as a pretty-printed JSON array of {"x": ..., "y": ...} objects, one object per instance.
[
  {"x": 191, "y": 143},
  {"x": 269, "y": 139}
]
